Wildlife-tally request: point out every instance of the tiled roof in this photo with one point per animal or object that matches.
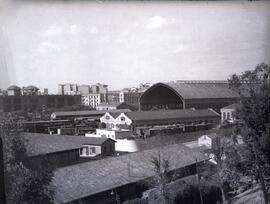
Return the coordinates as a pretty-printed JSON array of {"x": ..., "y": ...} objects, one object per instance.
[
  {"x": 170, "y": 114},
  {"x": 202, "y": 90},
  {"x": 85, "y": 179},
  {"x": 87, "y": 113},
  {"x": 38, "y": 144}
]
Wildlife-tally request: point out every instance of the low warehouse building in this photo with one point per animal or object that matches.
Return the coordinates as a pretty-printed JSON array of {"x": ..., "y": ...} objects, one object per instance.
[
  {"x": 120, "y": 177},
  {"x": 62, "y": 150},
  {"x": 178, "y": 120}
]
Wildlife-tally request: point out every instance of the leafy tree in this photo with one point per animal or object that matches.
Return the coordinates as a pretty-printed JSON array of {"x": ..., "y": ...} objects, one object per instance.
[
  {"x": 254, "y": 89},
  {"x": 27, "y": 182}
]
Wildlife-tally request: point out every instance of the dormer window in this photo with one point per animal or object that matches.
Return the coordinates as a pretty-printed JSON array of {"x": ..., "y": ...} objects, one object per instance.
[
  {"x": 122, "y": 119},
  {"x": 107, "y": 117}
]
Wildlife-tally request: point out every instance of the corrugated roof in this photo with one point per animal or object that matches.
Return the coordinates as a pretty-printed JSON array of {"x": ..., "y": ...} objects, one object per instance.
[
  {"x": 38, "y": 144},
  {"x": 85, "y": 179},
  {"x": 170, "y": 114},
  {"x": 203, "y": 90},
  {"x": 87, "y": 113}
]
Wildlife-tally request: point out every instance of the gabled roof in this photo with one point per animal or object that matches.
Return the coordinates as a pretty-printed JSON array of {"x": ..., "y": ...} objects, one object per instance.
[
  {"x": 115, "y": 115},
  {"x": 85, "y": 179},
  {"x": 198, "y": 90},
  {"x": 170, "y": 114},
  {"x": 39, "y": 144}
]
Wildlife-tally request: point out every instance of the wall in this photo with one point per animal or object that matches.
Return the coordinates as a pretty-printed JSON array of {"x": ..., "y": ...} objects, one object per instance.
[
  {"x": 83, "y": 151},
  {"x": 36, "y": 103},
  {"x": 59, "y": 159}
]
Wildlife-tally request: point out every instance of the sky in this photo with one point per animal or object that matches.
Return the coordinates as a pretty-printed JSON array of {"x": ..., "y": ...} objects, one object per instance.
[{"x": 123, "y": 44}]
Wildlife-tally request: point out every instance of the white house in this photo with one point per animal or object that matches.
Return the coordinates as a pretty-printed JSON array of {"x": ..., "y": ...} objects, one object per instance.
[
  {"x": 228, "y": 112},
  {"x": 115, "y": 121}
]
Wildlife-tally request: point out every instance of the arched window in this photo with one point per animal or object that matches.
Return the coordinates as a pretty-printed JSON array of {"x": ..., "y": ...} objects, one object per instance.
[{"x": 107, "y": 117}]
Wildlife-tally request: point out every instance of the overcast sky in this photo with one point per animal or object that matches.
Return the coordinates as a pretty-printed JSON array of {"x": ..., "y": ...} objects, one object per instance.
[{"x": 123, "y": 44}]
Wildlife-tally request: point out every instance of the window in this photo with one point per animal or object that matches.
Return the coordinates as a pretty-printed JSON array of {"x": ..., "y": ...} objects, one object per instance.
[
  {"x": 228, "y": 115},
  {"x": 122, "y": 118},
  {"x": 107, "y": 117},
  {"x": 92, "y": 150}
]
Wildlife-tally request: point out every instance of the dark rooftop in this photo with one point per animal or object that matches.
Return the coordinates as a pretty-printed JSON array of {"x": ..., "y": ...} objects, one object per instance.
[
  {"x": 109, "y": 104},
  {"x": 86, "y": 113},
  {"x": 85, "y": 179},
  {"x": 202, "y": 90},
  {"x": 31, "y": 87},
  {"x": 232, "y": 106},
  {"x": 38, "y": 144},
  {"x": 171, "y": 114},
  {"x": 13, "y": 87}
]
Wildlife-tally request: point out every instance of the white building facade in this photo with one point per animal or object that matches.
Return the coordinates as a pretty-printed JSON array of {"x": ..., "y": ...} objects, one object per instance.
[{"x": 91, "y": 100}]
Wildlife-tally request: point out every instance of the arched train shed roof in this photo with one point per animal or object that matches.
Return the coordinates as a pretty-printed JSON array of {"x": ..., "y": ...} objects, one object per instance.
[{"x": 197, "y": 90}]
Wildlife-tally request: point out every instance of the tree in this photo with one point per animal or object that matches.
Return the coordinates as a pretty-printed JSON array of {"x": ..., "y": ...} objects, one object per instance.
[
  {"x": 27, "y": 182},
  {"x": 253, "y": 87},
  {"x": 161, "y": 178}
]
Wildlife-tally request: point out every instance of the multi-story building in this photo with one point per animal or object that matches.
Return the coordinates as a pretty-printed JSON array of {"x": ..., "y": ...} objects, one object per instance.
[
  {"x": 44, "y": 91},
  {"x": 101, "y": 89},
  {"x": 113, "y": 96},
  {"x": 130, "y": 98},
  {"x": 14, "y": 91},
  {"x": 84, "y": 89},
  {"x": 30, "y": 90},
  {"x": 68, "y": 89},
  {"x": 91, "y": 100}
]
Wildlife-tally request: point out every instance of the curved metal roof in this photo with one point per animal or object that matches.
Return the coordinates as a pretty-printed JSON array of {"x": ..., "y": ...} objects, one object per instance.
[
  {"x": 198, "y": 90},
  {"x": 13, "y": 87}
]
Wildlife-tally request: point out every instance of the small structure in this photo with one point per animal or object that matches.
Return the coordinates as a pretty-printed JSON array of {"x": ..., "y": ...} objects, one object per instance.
[
  {"x": 14, "y": 91},
  {"x": 62, "y": 150},
  {"x": 228, "y": 112},
  {"x": 210, "y": 141}
]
